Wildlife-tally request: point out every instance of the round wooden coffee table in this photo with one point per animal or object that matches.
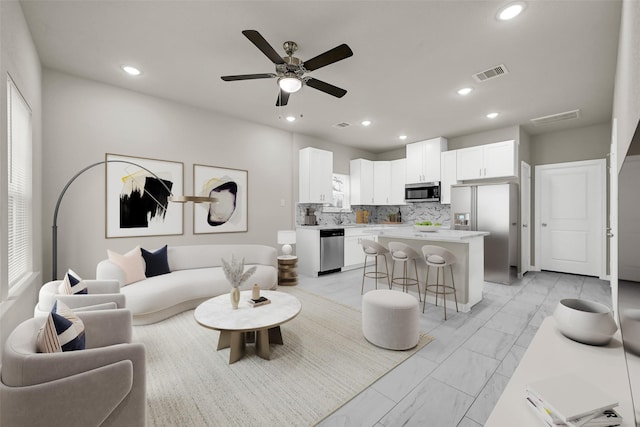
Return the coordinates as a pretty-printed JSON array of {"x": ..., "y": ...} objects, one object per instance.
[{"x": 246, "y": 323}]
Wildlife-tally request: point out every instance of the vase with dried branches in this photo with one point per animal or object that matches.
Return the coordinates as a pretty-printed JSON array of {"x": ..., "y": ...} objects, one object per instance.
[{"x": 235, "y": 274}]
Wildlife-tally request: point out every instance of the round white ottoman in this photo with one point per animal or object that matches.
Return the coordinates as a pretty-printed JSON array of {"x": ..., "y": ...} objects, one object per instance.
[{"x": 390, "y": 319}]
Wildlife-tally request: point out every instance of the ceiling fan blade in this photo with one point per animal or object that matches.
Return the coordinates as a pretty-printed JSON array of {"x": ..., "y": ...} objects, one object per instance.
[
  {"x": 326, "y": 87},
  {"x": 248, "y": 77},
  {"x": 283, "y": 98},
  {"x": 336, "y": 54},
  {"x": 264, "y": 46}
]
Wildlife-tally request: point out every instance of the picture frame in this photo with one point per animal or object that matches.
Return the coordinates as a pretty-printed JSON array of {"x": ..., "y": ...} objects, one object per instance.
[
  {"x": 137, "y": 204},
  {"x": 229, "y": 213}
]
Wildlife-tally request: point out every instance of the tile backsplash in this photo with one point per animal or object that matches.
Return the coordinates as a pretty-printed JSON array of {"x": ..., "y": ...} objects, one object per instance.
[{"x": 411, "y": 213}]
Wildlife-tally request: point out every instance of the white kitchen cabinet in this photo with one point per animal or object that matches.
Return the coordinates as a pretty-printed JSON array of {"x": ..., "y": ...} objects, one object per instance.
[
  {"x": 308, "y": 250},
  {"x": 497, "y": 160},
  {"x": 353, "y": 253},
  {"x": 361, "y": 177},
  {"x": 398, "y": 180},
  {"x": 423, "y": 160},
  {"x": 448, "y": 167},
  {"x": 381, "y": 183},
  {"x": 315, "y": 176}
]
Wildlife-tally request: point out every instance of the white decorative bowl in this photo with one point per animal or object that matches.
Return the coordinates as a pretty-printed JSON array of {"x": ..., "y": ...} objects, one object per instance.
[
  {"x": 585, "y": 321},
  {"x": 630, "y": 324},
  {"x": 426, "y": 227}
]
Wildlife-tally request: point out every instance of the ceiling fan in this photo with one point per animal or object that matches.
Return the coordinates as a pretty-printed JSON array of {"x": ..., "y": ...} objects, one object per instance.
[{"x": 290, "y": 70}]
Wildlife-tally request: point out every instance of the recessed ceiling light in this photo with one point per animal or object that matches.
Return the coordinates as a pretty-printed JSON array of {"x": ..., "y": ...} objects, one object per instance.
[
  {"x": 492, "y": 115},
  {"x": 510, "y": 11},
  {"x": 132, "y": 71},
  {"x": 290, "y": 118},
  {"x": 465, "y": 91},
  {"x": 402, "y": 137},
  {"x": 365, "y": 122}
]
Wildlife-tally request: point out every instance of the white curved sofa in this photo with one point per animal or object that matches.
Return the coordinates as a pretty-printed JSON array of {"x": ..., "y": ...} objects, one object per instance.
[{"x": 196, "y": 275}]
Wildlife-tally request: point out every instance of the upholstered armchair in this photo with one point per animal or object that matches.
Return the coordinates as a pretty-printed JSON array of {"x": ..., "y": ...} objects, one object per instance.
[
  {"x": 102, "y": 294},
  {"x": 102, "y": 385}
]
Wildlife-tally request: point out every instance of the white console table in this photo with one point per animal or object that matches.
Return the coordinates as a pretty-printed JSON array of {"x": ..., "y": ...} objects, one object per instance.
[{"x": 551, "y": 354}]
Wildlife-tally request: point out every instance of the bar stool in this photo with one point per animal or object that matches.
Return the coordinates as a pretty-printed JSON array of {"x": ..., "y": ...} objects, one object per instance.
[
  {"x": 438, "y": 257},
  {"x": 375, "y": 250},
  {"x": 401, "y": 252}
]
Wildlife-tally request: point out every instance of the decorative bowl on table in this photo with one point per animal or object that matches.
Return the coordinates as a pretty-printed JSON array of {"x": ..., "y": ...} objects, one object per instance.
[
  {"x": 585, "y": 321},
  {"x": 431, "y": 228}
]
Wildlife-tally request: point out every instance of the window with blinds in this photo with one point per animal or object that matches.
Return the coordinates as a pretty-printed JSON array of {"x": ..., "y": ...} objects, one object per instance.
[{"x": 19, "y": 185}]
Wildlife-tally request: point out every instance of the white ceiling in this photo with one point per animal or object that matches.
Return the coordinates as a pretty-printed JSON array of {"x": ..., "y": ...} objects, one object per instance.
[{"x": 410, "y": 57}]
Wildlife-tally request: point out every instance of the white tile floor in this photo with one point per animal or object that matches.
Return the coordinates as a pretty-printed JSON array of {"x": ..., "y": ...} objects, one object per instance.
[{"x": 456, "y": 379}]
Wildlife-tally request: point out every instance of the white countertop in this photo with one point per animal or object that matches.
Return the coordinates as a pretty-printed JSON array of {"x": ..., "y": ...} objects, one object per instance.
[
  {"x": 332, "y": 226},
  {"x": 550, "y": 354},
  {"x": 442, "y": 235}
]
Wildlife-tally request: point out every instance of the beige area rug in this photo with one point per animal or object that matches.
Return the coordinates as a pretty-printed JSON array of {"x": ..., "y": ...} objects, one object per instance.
[{"x": 324, "y": 362}]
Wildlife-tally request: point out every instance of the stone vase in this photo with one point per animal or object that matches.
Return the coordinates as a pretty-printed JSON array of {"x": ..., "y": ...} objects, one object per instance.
[{"x": 235, "y": 297}]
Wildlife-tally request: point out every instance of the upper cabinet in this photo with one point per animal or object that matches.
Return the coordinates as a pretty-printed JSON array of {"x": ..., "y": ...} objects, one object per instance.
[
  {"x": 398, "y": 180},
  {"x": 361, "y": 177},
  {"x": 377, "y": 183},
  {"x": 498, "y": 160},
  {"x": 315, "y": 176},
  {"x": 423, "y": 160},
  {"x": 448, "y": 168},
  {"x": 381, "y": 183}
]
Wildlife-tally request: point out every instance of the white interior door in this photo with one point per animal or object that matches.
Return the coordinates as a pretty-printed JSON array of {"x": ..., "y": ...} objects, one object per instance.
[
  {"x": 525, "y": 217},
  {"x": 570, "y": 212}
]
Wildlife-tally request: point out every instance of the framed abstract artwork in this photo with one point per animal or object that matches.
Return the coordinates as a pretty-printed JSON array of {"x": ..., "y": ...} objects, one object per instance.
[
  {"x": 229, "y": 186},
  {"x": 137, "y": 197}
]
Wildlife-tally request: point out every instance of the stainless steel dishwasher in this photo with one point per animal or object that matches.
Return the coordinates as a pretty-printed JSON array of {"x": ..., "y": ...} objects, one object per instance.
[{"x": 331, "y": 250}]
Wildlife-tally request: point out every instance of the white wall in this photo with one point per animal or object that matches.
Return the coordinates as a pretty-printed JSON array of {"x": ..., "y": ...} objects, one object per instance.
[
  {"x": 585, "y": 143},
  {"x": 487, "y": 137},
  {"x": 85, "y": 119},
  {"x": 626, "y": 100},
  {"x": 18, "y": 57},
  {"x": 629, "y": 220}
]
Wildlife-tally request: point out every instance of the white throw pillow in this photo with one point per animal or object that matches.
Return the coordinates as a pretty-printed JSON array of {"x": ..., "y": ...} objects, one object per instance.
[{"x": 131, "y": 263}]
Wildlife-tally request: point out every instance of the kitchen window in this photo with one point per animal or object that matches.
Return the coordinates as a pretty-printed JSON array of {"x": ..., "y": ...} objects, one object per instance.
[{"x": 340, "y": 194}]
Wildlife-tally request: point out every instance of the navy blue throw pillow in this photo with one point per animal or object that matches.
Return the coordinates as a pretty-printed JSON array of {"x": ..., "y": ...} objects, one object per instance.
[{"x": 156, "y": 262}]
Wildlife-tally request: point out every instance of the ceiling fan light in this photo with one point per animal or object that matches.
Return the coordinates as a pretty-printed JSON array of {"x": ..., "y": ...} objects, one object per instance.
[{"x": 290, "y": 84}]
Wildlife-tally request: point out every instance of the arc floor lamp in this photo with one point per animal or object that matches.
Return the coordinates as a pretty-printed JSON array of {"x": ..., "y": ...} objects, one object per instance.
[{"x": 54, "y": 226}]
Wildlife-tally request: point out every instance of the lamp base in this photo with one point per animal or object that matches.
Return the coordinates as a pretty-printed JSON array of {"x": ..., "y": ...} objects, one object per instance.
[{"x": 286, "y": 250}]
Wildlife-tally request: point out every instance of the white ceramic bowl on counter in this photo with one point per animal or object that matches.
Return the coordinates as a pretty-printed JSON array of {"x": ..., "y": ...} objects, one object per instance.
[
  {"x": 585, "y": 321},
  {"x": 426, "y": 227}
]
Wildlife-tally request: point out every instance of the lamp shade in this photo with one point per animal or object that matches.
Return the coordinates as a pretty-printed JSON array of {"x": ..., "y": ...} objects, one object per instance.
[
  {"x": 290, "y": 84},
  {"x": 286, "y": 238}
]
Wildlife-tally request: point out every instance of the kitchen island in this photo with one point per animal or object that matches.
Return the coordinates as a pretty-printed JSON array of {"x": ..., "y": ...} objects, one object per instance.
[{"x": 467, "y": 246}]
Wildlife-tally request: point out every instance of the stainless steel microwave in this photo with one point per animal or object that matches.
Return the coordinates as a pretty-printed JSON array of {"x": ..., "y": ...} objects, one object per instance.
[{"x": 422, "y": 192}]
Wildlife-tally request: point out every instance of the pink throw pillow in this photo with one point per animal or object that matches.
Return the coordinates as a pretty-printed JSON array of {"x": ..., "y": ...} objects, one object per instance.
[{"x": 131, "y": 263}]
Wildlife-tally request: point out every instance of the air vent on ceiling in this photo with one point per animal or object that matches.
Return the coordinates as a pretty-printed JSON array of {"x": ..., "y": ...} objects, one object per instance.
[
  {"x": 491, "y": 73},
  {"x": 545, "y": 120},
  {"x": 342, "y": 125}
]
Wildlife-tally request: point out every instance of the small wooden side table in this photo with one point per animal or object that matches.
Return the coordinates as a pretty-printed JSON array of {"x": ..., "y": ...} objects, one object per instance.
[{"x": 287, "y": 270}]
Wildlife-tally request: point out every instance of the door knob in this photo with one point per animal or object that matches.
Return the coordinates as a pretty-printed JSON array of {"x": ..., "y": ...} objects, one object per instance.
[
  {"x": 544, "y": 224},
  {"x": 524, "y": 225}
]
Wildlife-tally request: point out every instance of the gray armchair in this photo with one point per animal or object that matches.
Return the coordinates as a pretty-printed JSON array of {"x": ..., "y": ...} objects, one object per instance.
[
  {"x": 103, "y": 385},
  {"x": 102, "y": 294}
]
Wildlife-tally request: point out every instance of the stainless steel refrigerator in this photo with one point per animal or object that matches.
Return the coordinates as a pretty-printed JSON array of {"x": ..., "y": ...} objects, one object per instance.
[{"x": 492, "y": 208}]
